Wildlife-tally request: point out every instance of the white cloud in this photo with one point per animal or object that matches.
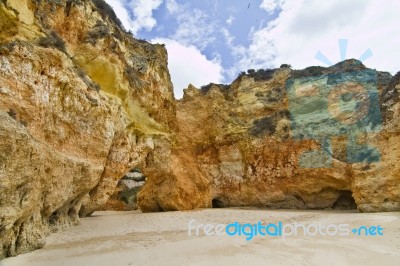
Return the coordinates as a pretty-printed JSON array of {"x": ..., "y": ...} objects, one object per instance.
[
  {"x": 230, "y": 20},
  {"x": 271, "y": 5},
  {"x": 228, "y": 36},
  {"x": 195, "y": 26},
  {"x": 305, "y": 27},
  {"x": 142, "y": 11},
  {"x": 188, "y": 66},
  {"x": 121, "y": 12},
  {"x": 172, "y": 6}
]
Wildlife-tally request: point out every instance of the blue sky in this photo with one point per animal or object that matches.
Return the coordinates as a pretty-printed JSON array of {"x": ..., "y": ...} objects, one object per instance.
[
  {"x": 237, "y": 17},
  {"x": 213, "y": 40}
]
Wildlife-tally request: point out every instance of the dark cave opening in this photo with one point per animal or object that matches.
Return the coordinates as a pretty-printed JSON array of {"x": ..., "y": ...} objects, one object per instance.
[
  {"x": 217, "y": 203},
  {"x": 345, "y": 201}
]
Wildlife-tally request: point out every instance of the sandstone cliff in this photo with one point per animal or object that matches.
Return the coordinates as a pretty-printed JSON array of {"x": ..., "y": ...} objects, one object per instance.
[
  {"x": 81, "y": 104},
  {"x": 287, "y": 138}
]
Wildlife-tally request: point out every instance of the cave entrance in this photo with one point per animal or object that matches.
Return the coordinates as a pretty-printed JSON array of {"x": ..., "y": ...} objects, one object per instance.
[
  {"x": 217, "y": 203},
  {"x": 345, "y": 201}
]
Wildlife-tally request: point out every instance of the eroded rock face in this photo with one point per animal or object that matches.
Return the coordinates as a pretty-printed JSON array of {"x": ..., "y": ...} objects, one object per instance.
[
  {"x": 309, "y": 139},
  {"x": 81, "y": 103},
  {"x": 124, "y": 197}
]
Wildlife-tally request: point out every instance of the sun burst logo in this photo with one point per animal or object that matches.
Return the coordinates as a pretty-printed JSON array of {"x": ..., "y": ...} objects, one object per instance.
[{"x": 343, "y": 50}]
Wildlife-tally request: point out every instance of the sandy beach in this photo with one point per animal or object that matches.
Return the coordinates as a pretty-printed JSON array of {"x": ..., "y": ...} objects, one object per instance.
[{"x": 134, "y": 238}]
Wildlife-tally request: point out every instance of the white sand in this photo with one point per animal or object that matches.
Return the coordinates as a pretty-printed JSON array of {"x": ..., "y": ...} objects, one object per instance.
[{"x": 133, "y": 238}]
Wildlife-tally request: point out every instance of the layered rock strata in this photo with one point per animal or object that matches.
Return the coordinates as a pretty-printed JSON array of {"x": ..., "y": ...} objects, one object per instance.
[
  {"x": 308, "y": 139},
  {"x": 81, "y": 103}
]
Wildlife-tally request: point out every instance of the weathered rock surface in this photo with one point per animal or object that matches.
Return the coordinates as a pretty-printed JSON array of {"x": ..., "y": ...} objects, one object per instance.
[
  {"x": 124, "y": 197},
  {"x": 81, "y": 103},
  {"x": 289, "y": 139}
]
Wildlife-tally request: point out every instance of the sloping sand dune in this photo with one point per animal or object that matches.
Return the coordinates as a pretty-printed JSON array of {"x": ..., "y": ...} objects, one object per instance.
[{"x": 134, "y": 238}]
